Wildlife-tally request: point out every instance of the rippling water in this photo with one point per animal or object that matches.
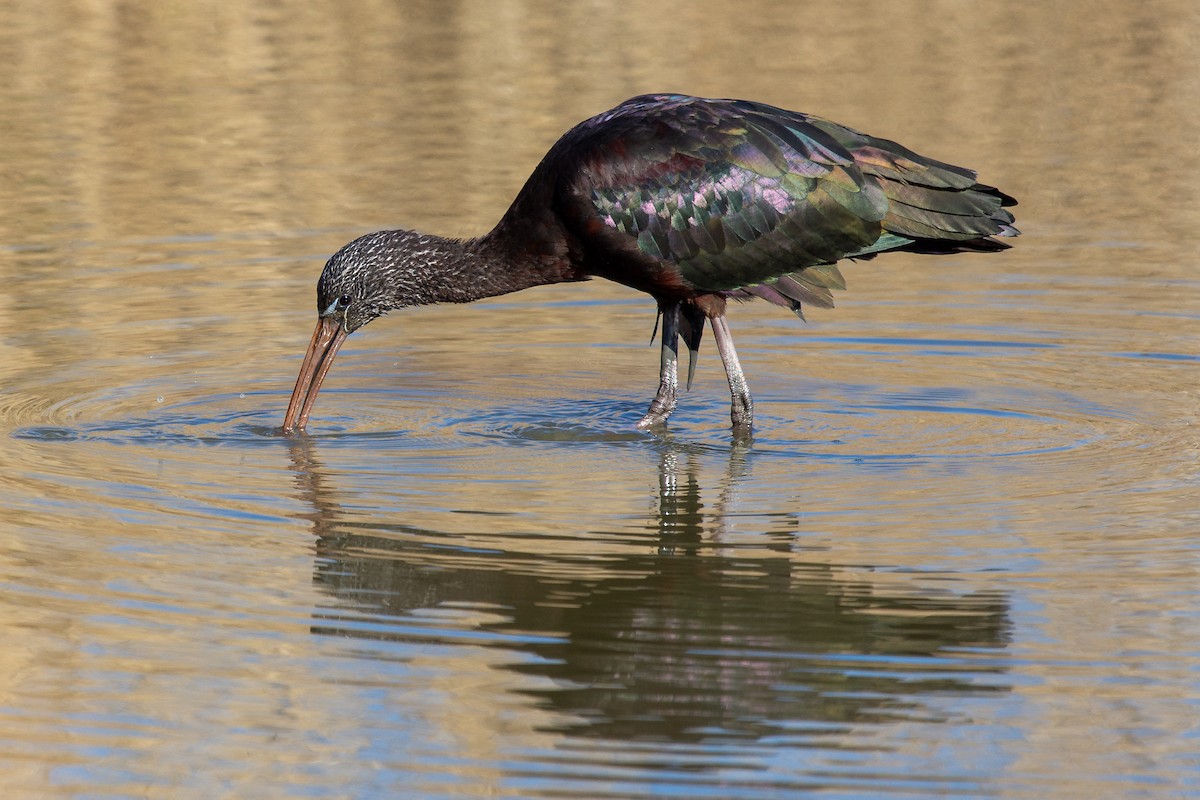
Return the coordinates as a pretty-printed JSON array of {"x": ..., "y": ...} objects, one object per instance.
[{"x": 957, "y": 558}]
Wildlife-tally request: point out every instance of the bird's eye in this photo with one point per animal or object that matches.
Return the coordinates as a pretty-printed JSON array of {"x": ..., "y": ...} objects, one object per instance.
[{"x": 340, "y": 304}]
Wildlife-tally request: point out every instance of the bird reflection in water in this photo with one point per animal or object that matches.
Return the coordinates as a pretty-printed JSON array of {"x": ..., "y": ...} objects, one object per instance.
[
  {"x": 682, "y": 521},
  {"x": 698, "y": 639}
]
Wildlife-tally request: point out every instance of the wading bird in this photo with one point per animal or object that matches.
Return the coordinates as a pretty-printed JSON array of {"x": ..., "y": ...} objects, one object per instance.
[{"x": 693, "y": 201}]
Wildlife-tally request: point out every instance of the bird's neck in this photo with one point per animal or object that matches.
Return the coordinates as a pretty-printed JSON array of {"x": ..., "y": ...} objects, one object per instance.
[{"x": 464, "y": 270}]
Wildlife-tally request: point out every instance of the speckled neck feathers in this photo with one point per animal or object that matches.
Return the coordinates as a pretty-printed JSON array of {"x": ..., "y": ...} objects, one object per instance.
[{"x": 386, "y": 270}]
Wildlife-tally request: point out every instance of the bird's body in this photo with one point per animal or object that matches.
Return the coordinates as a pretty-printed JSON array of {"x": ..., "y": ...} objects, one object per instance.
[{"x": 690, "y": 200}]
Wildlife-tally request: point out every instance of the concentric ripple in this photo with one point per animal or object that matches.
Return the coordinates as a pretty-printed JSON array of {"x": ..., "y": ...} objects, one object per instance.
[{"x": 839, "y": 421}]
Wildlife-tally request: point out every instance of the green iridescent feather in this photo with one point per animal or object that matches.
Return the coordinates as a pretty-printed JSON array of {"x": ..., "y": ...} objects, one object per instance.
[{"x": 741, "y": 198}]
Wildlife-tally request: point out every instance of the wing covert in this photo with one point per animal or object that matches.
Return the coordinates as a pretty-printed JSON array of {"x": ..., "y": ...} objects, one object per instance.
[
  {"x": 678, "y": 195},
  {"x": 721, "y": 193}
]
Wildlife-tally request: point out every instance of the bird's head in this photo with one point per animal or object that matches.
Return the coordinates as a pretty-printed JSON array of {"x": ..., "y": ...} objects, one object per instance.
[
  {"x": 365, "y": 279},
  {"x": 369, "y": 277}
]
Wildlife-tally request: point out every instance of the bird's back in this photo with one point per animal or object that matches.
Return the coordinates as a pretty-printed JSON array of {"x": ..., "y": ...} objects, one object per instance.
[{"x": 681, "y": 196}]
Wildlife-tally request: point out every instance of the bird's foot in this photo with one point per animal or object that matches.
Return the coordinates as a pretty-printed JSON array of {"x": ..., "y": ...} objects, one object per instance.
[
  {"x": 660, "y": 407},
  {"x": 655, "y": 416},
  {"x": 741, "y": 414}
]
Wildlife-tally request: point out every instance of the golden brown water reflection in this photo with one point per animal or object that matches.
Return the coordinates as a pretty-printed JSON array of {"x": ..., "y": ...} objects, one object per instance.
[{"x": 959, "y": 558}]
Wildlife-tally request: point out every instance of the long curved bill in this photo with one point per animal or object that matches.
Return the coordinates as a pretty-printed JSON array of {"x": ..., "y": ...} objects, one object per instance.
[{"x": 326, "y": 340}]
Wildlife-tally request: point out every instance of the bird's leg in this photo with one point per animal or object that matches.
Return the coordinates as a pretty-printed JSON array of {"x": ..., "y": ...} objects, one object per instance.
[
  {"x": 691, "y": 329},
  {"x": 741, "y": 412},
  {"x": 668, "y": 384}
]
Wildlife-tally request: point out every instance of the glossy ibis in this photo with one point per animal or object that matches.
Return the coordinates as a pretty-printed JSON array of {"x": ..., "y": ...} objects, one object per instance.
[{"x": 694, "y": 202}]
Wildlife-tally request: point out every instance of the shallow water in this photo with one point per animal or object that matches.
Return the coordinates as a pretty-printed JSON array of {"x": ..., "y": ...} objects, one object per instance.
[{"x": 957, "y": 559}]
